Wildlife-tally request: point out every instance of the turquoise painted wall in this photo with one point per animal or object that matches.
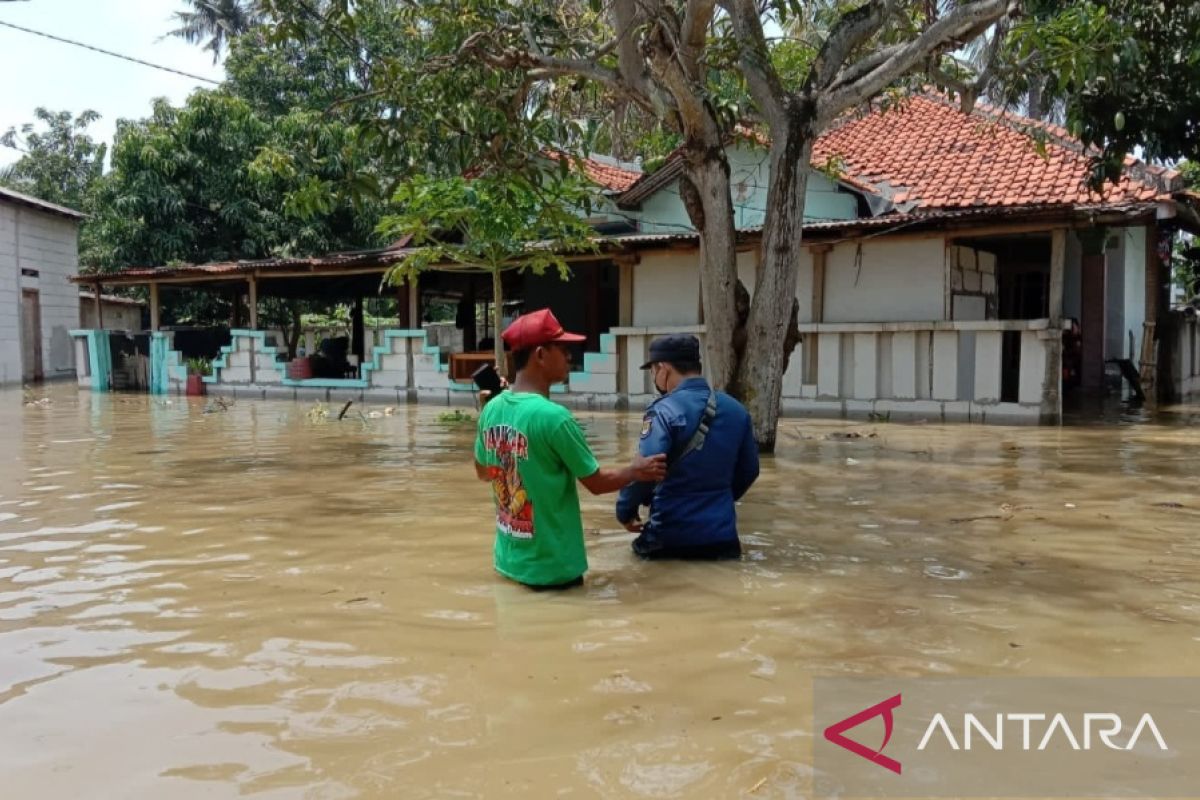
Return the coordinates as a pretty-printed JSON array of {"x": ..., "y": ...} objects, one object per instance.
[
  {"x": 749, "y": 172},
  {"x": 99, "y": 357}
]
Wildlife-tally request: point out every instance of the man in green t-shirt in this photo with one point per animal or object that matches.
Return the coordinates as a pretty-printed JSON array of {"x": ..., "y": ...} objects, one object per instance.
[{"x": 532, "y": 451}]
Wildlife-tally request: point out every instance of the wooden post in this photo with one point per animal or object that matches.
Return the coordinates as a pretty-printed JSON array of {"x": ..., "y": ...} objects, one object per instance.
[
  {"x": 253, "y": 303},
  {"x": 99, "y": 309},
  {"x": 625, "y": 289},
  {"x": 402, "y": 305},
  {"x": 1051, "y": 410},
  {"x": 357, "y": 329},
  {"x": 414, "y": 303},
  {"x": 819, "y": 252},
  {"x": 811, "y": 347},
  {"x": 154, "y": 307}
]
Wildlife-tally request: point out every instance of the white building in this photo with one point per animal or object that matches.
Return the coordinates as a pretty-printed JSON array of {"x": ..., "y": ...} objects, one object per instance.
[{"x": 39, "y": 305}]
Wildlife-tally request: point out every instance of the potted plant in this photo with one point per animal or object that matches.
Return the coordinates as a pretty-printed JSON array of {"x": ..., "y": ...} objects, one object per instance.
[{"x": 197, "y": 368}]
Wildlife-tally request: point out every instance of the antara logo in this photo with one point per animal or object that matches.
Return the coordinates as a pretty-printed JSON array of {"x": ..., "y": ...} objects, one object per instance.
[
  {"x": 1101, "y": 726},
  {"x": 884, "y": 709}
]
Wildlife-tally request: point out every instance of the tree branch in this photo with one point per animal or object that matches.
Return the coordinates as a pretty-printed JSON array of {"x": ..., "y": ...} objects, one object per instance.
[
  {"x": 851, "y": 32},
  {"x": 761, "y": 77},
  {"x": 963, "y": 23},
  {"x": 696, "y": 19}
]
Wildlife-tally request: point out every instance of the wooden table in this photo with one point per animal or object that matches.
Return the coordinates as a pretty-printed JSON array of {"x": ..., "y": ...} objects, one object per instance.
[{"x": 463, "y": 365}]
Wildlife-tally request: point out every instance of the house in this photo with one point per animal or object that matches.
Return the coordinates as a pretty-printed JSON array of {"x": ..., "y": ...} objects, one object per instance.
[
  {"x": 953, "y": 266},
  {"x": 39, "y": 306}
]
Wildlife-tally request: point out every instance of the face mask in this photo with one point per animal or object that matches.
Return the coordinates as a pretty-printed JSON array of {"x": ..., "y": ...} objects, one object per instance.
[{"x": 660, "y": 389}]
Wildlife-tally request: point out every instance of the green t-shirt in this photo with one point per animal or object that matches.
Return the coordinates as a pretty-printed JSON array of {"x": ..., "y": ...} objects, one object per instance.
[{"x": 536, "y": 452}]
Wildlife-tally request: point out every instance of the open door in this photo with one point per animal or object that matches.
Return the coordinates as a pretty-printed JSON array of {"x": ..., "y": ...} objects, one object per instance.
[{"x": 31, "y": 335}]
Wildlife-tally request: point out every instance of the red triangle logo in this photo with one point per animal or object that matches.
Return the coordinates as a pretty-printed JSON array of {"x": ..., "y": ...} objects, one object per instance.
[{"x": 884, "y": 709}]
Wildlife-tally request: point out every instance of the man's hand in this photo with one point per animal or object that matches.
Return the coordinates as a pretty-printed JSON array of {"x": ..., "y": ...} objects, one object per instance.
[
  {"x": 633, "y": 525},
  {"x": 649, "y": 469}
]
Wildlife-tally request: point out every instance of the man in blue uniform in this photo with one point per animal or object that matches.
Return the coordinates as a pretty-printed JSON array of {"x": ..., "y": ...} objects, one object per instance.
[{"x": 711, "y": 461}]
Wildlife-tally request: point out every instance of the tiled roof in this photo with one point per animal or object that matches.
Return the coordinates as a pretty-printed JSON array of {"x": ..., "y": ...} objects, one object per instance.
[
  {"x": 932, "y": 155},
  {"x": 925, "y": 154},
  {"x": 606, "y": 176}
]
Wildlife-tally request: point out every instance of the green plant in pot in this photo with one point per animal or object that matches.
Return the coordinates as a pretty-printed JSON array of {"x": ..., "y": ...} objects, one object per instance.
[{"x": 197, "y": 368}]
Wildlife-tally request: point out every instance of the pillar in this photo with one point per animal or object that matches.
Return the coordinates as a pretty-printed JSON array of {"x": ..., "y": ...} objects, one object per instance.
[
  {"x": 154, "y": 307},
  {"x": 253, "y": 303}
]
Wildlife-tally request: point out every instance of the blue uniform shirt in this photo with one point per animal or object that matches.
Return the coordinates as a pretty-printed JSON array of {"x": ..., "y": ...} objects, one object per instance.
[{"x": 693, "y": 505}]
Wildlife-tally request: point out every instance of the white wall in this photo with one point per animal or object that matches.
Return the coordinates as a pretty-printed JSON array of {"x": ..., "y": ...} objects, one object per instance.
[
  {"x": 117, "y": 316},
  {"x": 10, "y": 298},
  {"x": 49, "y": 244},
  {"x": 902, "y": 280},
  {"x": 1114, "y": 299},
  {"x": 666, "y": 288},
  {"x": 1135, "y": 290}
]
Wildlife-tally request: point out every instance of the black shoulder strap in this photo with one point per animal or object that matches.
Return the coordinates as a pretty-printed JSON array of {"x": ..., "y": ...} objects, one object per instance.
[{"x": 701, "y": 432}]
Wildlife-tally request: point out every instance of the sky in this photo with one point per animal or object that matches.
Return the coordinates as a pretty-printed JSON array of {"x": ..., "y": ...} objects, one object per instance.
[{"x": 39, "y": 72}]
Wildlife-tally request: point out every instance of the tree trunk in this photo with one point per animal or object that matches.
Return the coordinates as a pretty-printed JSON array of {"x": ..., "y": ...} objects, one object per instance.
[
  {"x": 760, "y": 374},
  {"x": 705, "y": 188},
  {"x": 497, "y": 321}
]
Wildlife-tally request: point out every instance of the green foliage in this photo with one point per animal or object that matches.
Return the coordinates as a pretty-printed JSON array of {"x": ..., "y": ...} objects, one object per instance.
[
  {"x": 199, "y": 366},
  {"x": 494, "y": 222},
  {"x": 455, "y": 418},
  {"x": 215, "y": 23},
  {"x": 1126, "y": 71},
  {"x": 59, "y": 164},
  {"x": 215, "y": 181}
]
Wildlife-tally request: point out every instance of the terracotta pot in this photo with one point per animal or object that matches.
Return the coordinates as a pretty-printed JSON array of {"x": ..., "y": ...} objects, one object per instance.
[
  {"x": 300, "y": 369},
  {"x": 195, "y": 385}
]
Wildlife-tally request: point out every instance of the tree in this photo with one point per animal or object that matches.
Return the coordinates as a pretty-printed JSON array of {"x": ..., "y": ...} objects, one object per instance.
[
  {"x": 1126, "y": 72},
  {"x": 216, "y": 23},
  {"x": 493, "y": 222},
  {"x": 215, "y": 181},
  {"x": 698, "y": 68},
  {"x": 59, "y": 164}
]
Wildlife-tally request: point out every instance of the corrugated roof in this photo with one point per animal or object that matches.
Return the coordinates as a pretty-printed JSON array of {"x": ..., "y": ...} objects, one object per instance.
[{"x": 41, "y": 205}]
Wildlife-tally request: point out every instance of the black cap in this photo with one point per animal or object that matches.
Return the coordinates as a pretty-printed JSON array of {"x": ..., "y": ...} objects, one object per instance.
[{"x": 676, "y": 348}]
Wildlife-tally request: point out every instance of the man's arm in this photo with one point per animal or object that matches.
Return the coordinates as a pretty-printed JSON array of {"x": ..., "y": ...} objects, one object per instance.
[
  {"x": 655, "y": 439},
  {"x": 745, "y": 472},
  {"x": 567, "y": 440},
  {"x": 642, "y": 468}
]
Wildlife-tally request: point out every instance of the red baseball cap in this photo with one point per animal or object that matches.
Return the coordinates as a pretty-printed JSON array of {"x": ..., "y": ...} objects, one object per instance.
[{"x": 537, "y": 328}]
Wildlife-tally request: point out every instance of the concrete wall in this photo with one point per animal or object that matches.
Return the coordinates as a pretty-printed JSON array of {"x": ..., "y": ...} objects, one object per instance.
[
  {"x": 1114, "y": 299},
  {"x": 897, "y": 280},
  {"x": 33, "y": 240},
  {"x": 117, "y": 316},
  {"x": 1135, "y": 291},
  {"x": 663, "y": 212},
  {"x": 666, "y": 288},
  {"x": 10, "y": 298}
]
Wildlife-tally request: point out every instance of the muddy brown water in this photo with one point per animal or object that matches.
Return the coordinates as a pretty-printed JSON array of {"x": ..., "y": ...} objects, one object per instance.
[{"x": 257, "y": 602}]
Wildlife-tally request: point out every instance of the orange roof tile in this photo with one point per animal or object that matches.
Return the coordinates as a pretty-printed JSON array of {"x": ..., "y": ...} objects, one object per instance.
[
  {"x": 927, "y": 154},
  {"x": 606, "y": 176},
  {"x": 942, "y": 158}
]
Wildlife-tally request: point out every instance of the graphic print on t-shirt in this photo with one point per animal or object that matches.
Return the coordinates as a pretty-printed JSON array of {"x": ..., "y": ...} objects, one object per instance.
[{"x": 514, "y": 511}]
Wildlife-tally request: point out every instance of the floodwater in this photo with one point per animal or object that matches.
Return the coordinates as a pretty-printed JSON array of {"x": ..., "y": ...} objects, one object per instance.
[{"x": 258, "y": 601}]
